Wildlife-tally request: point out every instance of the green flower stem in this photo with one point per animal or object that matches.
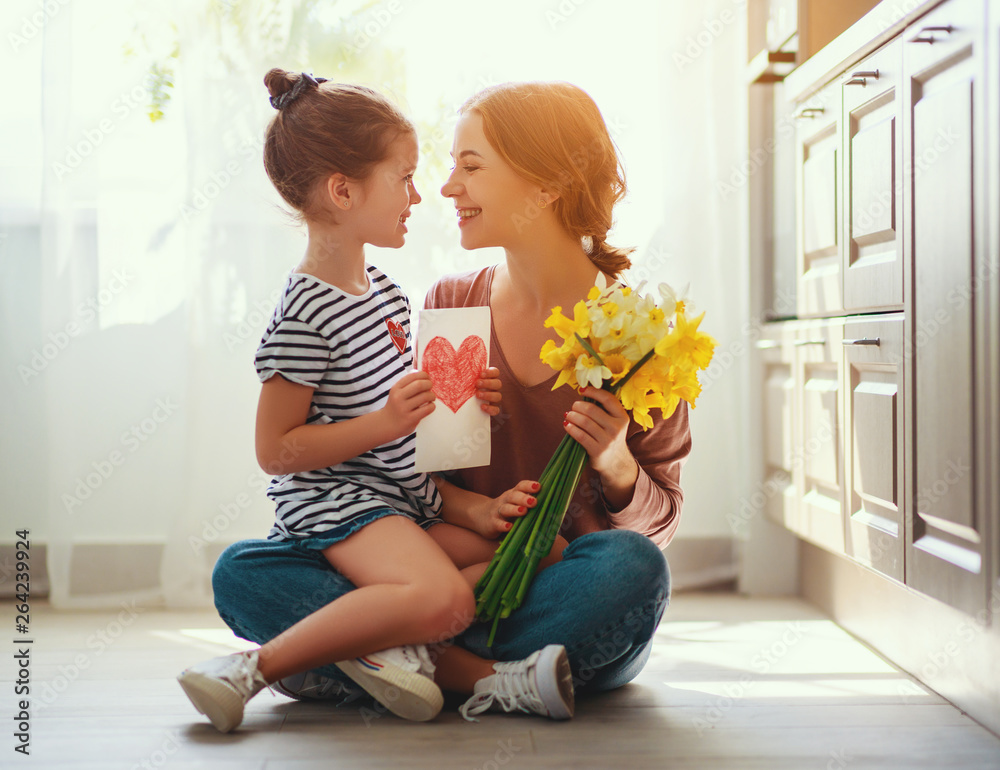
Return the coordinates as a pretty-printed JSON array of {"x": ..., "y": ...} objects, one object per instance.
[
  {"x": 589, "y": 349},
  {"x": 502, "y": 587},
  {"x": 513, "y": 538},
  {"x": 517, "y": 582},
  {"x": 573, "y": 469}
]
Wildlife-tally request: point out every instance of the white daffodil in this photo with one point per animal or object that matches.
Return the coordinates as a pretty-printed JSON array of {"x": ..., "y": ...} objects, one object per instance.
[
  {"x": 590, "y": 371},
  {"x": 676, "y": 302},
  {"x": 604, "y": 317}
]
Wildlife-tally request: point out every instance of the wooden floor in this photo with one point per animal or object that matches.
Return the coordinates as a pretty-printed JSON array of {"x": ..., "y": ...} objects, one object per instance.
[{"x": 732, "y": 683}]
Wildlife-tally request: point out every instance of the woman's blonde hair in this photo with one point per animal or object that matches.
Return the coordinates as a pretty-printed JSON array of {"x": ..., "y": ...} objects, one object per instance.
[{"x": 553, "y": 135}]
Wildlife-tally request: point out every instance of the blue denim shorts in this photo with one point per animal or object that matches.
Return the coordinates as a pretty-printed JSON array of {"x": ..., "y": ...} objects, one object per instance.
[{"x": 326, "y": 538}]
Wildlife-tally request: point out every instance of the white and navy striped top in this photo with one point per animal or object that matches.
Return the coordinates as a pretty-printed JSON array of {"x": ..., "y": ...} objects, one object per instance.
[{"x": 351, "y": 349}]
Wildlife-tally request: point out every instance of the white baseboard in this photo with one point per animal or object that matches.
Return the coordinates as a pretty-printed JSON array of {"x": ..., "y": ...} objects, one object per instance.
[{"x": 701, "y": 562}]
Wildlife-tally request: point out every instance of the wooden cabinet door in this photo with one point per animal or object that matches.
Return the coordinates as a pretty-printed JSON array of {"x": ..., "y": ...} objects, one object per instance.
[
  {"x": 944, "y": 145},
  {"x": 873, "y": 182},
  {"x": 818, "y": 259},
  {"x": 778, "y": 496},
  {"x": 874, "y": 441},
  {"x": 819, "y": 361},
  {"x": 991, "y": 338}
]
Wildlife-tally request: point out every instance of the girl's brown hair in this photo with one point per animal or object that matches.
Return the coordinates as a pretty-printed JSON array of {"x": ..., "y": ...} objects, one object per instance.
[
  {"x": 553, "y": 135},
  {"x": 327, "y": 129}
]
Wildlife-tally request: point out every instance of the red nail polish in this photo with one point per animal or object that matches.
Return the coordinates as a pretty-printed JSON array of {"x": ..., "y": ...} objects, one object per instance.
[
  {"x": 508, "y": 525},
  {"x": 536, "y": 485},
  {"x": 521, "y": 509},
  {"x": 565, "y": 423},
  {"x": 532, "y": 501}
]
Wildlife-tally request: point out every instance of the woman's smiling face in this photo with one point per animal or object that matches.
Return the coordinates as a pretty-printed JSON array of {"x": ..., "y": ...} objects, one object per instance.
[{"x": 493, "y": 203}]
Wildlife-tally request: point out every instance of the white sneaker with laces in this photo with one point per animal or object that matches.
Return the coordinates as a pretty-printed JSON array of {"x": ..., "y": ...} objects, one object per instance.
[
  {"x": 401, "y": 679},
  {"x": 312, "y": 686},
  {"x": 542, "y": 684},
  {"x": 219, "y": 688}
]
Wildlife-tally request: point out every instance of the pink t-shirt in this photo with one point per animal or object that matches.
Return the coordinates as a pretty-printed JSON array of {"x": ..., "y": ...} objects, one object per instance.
[{"x": 529, "y": 427}]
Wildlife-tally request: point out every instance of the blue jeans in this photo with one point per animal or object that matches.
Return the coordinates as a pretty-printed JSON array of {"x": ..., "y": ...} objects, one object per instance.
[{"x": 603, "y": 602}]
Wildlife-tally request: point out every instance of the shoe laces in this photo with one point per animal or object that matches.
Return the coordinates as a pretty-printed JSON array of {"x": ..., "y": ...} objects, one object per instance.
[
  {"x": 321, "y": 686},
  {"x": 423, "y": 658},
  {"x": 513, "y": 689},
  {"x": 326, "y": 687},
  {"x": 244, "y": 676},
  {"x": 412, "y": 657}
]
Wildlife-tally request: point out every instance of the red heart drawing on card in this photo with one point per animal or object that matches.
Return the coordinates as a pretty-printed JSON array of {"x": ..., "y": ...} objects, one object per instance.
[
  {"x": 454, "y": 373},
  {"x": 397, "y": 335}
]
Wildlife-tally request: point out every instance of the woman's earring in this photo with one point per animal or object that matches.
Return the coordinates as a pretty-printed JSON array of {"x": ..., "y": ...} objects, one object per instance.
[
  {"x": 347, "y": 204},
  {"x": 541, "y": 203}
]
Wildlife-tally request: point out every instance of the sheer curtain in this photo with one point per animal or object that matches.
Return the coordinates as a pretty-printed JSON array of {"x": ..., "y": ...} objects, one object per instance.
[
  {"x": 140, "y": 258},
  {"x": 135, "y": 314}
]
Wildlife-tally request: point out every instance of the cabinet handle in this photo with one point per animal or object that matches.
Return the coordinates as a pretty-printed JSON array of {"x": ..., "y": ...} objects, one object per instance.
[
  {"x": 767, "y": 344},
  {"x": 800, "y": 343},
  {"x": 809, "y": 112},
  {"x": 864, "y": 341},
  {"x": 861, "y": 78},
  {"x": 926, "y": 35}
]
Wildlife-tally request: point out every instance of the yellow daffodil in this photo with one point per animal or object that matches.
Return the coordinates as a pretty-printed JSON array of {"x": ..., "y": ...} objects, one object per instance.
[
  {"x": 566, "y": 327},
  {"x": 686, "y": 344},
  {"x": 561, "y": 356},
  {"x": 618, "y": 365}
]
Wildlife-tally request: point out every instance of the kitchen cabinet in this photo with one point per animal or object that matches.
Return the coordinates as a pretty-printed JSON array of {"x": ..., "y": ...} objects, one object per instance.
[{"x": 891, "y": 440}]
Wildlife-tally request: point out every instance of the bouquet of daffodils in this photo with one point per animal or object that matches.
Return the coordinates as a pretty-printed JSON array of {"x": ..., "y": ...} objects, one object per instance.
[{"x": 622, "y": 341}]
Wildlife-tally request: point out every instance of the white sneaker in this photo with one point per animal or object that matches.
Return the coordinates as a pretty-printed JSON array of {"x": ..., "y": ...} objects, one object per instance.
[
  {"x": 219, "y": 688},
  {"x": 542, "y": 684},
  {"x": 400, "y": 679},
  {"x": 312, "y": 686}
]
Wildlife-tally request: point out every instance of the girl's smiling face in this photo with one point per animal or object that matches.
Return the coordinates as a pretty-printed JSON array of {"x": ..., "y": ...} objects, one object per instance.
[
  {"x": 388, "y": 195},
  {"x": 494, "y": 203}
]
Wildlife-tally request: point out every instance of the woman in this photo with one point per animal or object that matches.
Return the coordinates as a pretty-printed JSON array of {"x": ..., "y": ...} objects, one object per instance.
[{"x": 535, "y": 173}]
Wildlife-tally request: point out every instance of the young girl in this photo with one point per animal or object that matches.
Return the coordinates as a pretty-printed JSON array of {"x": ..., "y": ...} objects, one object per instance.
[{"x": 337, "y": 411}]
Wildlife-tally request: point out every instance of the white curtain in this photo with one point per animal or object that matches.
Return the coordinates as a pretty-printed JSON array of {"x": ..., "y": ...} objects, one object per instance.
[{"x": 140, "y": 258}]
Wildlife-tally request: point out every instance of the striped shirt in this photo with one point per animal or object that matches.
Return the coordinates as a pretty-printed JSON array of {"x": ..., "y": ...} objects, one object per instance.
[{"x": 350, "y": 350}]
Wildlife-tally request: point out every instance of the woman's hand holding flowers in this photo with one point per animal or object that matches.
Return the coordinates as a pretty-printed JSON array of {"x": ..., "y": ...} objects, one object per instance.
[{"x": 600, "y": 428}]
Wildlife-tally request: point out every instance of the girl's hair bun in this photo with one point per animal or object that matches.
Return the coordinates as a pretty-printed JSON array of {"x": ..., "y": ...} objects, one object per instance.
[{"x": 279, "y": 81}]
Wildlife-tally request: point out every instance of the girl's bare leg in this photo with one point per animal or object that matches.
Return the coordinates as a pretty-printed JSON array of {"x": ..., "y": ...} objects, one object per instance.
[{"x": 409, "y": 592}]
